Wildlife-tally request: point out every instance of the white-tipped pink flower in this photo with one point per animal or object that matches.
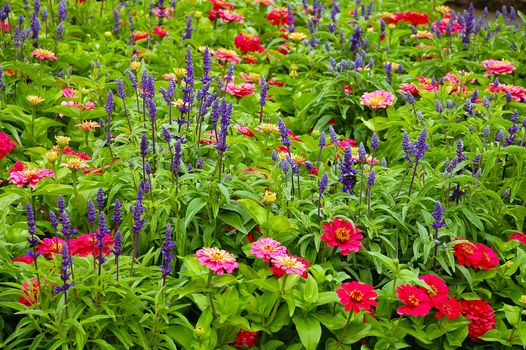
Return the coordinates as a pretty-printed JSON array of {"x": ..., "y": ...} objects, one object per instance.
[
  {"x": 267, "y": 249},
  {"x": 377, "y": 99}
]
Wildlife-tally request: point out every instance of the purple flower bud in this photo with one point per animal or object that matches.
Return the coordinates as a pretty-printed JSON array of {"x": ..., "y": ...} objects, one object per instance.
[
  {"x": 374, "y": 141},
  {"x": 333, "y": 135},
  {"x": 144, "y": 146},
  {"x": 120, "y": 89},
  {"x": 347, "y": 173},
  {"x": 167, "y": 253},
  {"x": 371, "y": 178},
  {"x": 263, "y": 92},
  {"x": 166, "y": 135},
  {"x": 110, "y": 107},
  {"x": 31, "y": 223},
  {"x": 362, "y": 153},
  {"x": 274, "y": 155},
  {"x": 284, "y": 133},
  {"x": 62, "y": 13},
  {"x": 100, "y": 199},
  {"x": 91, "y": 212},
  {"x": 420, "y": 146},
  {"x": 53, "y": 219},
  {"x": 188, "y": 30},
  {"x": 132, "y": 78},
  {"x": 324, "y": 182},
  {"x": 199, "y": 163},
  {"x": 499, "y": 136},
  {"x": 438, "y": 215}
]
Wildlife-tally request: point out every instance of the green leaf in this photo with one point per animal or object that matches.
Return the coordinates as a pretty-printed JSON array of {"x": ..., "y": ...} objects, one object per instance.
[
  {"x": 277, "y": 223},
  {"x": 254, "y": 210},
  {"x": 309, "y": 330},
  {"x": 311, "y": 290},
  {"x": 355, "y": 332},
  {"x": 193, "y": 208}
]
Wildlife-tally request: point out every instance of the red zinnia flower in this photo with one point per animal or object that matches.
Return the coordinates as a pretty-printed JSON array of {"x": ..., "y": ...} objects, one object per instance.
[
  {"x": 480, "y": 315},
  {"x": 26, "y": 259},
  {"x": 6, "y": 145},
  {"x": 68, "y": 151},
  {"x": 50, "y": 246},
  {"x": 415, "y": 299},
  {"x": 518, "y": 236},
  {"x": 139, "y": 35},
  {"x": 250, "y": 59},
  {"x": 437, "y": 288},
  {"x": 244, "y": 130},
  {"x": 449, "y": 307},
  {"x": 489, "y": 259},
  {"x": 85, "y": 245},
  {"x": 278, "y": 16},
  {"x": 342, "y": 234},
  {"x": 467, "y": 254},
  {"x": 161, "y": 32},
  {"x": 246, "y": 338},
  {"x": 357, "y": 296},
  {"x": 342, "y": 144},
  {"x": 248, "y": 43}
]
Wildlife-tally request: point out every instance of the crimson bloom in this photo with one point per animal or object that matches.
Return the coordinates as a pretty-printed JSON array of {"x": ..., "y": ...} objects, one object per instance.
[
  {"x": 6, "y": 145},
  {"x": 50, "y": 246},
  {"x": 21, "y": 175},
  {"x": 342, "y": 234},
  {"x": 480, "y": 315},
  {"x": 415, "y": 299},
  {"x": 248, "y": 43},
  {"x": 488, "y": 259},
  {"x": 246, "y": 338},
  {"x": 278, "y": 16},
  {"x": 244, "y": 130},
  {"x": 409, "y": 88},
  {"x": 160, "y": 32},
  {"x": 217, "y": 260},
  {"x": 86, "y": 244},
  {"x": 518, "y": 236},
  {"x": 449, "y": 307},
  {"x": 26, "y": 259},
  {"x": 357, "y": 296},
  {"x": 437, "y": 288},
  {"x": 467, "y": 254}
]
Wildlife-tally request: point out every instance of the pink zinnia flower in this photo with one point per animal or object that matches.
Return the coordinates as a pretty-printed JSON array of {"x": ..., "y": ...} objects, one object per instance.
[
  {"x": 342, "y": 234},
  {"x": 497, "y": 67},
  {"x": 240, "y": 90},
  {"x": 415, "y": 299},
  {"x": 267, "y": 249},
  {"x": 427, "y": 84},
  {"x": 226, "y": 55},
  {"x": 68, "y": 92},
  {"x": 409, "y": 88},
  {"x": 6, "y": 145},
  {"x": 488, "y": 259},
  {"x": 217, "y": 260},
  {"x": 357, "y": 296},
  {"x": 50, "y": 246},
  {"x": 517, "y": 92},
  {"x": 289, "y": 264},
  {"x": 42, "y": 55},
  {"x": 230, "y": 16},
  {"x": 279, "y": 272},
  {"x": 21, "y": 175},
  {"x": 377, "y": 99}
]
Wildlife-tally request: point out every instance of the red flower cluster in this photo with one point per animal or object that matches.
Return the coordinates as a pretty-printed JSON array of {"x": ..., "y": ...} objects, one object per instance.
[
  {"x": 415, "y": 18},
  {"x": 480, "y": 315},
  {"x": 248, "y": 43},
  {"x": 245, "y": 338},
  {"x": 69, "y": 152},
  {"x": 418, "y": 301},
  {"x": 6, "y": 145},
  {"x": 476, "y": 255}
]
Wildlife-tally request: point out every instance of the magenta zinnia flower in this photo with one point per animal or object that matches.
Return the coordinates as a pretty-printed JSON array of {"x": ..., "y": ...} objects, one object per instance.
[
  {"x": 415, "y": 299},
  {"x": 289, "y": 264},
  {"x": 357, "y": 296},
  {"x": 377, "y": 99},
  {"x": 20, "y": 175},
  {"x": 267, "y": 249},
  {"x": 342, "y": 234},
  {"x": 217, "y": 259}
]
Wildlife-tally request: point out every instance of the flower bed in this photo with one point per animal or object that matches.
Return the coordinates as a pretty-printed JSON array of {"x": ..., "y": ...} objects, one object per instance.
[{"x": 261, "y": 173}]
